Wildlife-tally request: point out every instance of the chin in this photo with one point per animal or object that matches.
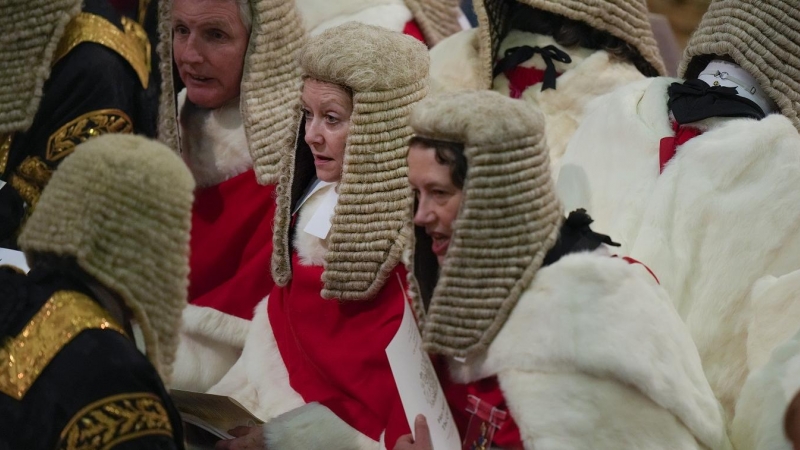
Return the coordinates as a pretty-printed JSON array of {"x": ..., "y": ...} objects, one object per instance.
[
  {"x": 205, "y": 99},
  {"x": 440, "y": 260},
  {"x": 328, "y": 177}
]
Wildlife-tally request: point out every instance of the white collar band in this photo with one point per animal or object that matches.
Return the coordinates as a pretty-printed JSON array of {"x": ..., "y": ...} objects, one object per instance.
[{"x": 724, "y": 73}]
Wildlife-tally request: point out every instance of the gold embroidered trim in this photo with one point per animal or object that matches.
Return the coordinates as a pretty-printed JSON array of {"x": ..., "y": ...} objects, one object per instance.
[
  {"x": 84, "y": 127},
  {"x": 143, "y": 4},
  {"x": 86, "y": 27},
  {"x": 30, "y": 178},
  {"x": 136, "y": 30},
  {"x": 5, "y": 148},
  {"x": 65, "y": 315},
  {"x": 35, "y": 170},
  {"x": 114, "y": 420}
]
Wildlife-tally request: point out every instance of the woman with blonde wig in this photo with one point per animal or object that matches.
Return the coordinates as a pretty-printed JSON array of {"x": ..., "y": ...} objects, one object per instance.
[{"x": 314, "y": 366}]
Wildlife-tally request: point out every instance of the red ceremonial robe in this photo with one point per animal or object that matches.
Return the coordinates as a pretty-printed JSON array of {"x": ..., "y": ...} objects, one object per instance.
[
  {"x": 335, "y": 352},
  {"x": 232, "y": 245}
]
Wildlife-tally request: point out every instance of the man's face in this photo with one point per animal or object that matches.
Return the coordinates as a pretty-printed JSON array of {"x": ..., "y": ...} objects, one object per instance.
[{"x": 209, "y": 43}]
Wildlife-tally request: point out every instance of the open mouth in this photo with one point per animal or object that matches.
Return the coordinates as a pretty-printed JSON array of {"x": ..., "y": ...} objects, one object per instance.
[
  {"x": 440, "y": 243},
  {"x": 321, "y": 159},
  {"x": 199, "y": 79}
]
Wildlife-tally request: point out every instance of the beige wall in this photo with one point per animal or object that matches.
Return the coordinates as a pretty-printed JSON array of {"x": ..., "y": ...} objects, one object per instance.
[{"x": 683, "y": 15}]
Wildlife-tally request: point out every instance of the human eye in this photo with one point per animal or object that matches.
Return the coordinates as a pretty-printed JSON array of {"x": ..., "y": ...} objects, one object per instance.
[
  {"x": 306, "y": 113},
  {"x": 217, "y": 34},
  {"x": 180, "y": 30},
  {"x": 331, "y": 119},
  {"x": 441, "y": 195}
]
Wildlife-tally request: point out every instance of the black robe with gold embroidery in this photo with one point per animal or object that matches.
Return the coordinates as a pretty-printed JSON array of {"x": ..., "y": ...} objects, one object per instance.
[
  {"x": 71, "y": 378},
  {"x": 101, "y": 82}
]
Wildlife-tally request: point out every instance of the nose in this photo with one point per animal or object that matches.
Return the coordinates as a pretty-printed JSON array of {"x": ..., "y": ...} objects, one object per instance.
[
  {"x": 424, "y": 215},
  {"x": 313, "y": 135},
  {"x": 191, "y": 52}
]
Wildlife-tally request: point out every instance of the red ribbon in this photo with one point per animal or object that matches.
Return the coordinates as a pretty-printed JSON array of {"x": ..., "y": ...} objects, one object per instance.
[
  {"x": 486, "y": 411},
  {"x": 670, "y": 144},
  {"x": 521, "y": 78}
]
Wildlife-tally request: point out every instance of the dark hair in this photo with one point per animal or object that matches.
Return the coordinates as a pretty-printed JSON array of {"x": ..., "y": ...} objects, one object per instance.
[
  {"x": 426, "y": 266},
  {"x": 570, "y": 33},
  {"x": 447, "y": 153}
]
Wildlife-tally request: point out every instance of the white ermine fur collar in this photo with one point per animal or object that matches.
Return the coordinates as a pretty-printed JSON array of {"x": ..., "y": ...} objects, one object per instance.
[
  {"x": 311, "y": 249},
  {"x": 319, "y": 15},
  {"x": 213, "y": 142}
]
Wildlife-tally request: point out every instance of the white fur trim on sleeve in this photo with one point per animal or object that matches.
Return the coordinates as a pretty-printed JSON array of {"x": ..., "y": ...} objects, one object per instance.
[
  {"x": 215, "y": 325},
  {"x": 313, "y": 426},
  {"x": 762, "y": 404},
  {"x": 259, "y": 379},
  {"x": 210, "y": 343}
]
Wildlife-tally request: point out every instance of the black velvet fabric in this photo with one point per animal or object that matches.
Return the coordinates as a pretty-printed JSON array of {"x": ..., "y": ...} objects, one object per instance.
[
  {"x": 695, "y": 100},
  {"x": 575, "y": 236},
  {"x": 91, "y": 77},
  {"x": 96, "y": 364}
]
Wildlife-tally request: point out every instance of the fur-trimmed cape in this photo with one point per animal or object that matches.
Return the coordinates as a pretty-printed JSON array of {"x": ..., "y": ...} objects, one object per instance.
[
  {"x": 722, "y": 216},
  {"x": 595, "y": 356}
]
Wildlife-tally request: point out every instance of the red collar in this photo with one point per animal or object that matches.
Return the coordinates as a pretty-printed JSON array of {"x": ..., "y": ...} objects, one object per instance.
[
  {"x": 670, "y": 144},
  {"x": 521, "y": 78}
]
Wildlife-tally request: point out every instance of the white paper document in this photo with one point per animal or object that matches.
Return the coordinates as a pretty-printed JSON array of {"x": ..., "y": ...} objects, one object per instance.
[
  {"x": 13, "y": 258},
  {"x": 418, "y": 385}
]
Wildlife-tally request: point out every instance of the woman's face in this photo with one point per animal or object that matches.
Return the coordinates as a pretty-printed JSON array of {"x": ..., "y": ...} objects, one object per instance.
[
  {"x": 438, "y": 198},
  {"x": 327, "y": 108}
]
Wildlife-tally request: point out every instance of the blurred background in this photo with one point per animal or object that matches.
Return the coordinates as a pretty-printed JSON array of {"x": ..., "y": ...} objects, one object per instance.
[{"x": 682, "y": 15}]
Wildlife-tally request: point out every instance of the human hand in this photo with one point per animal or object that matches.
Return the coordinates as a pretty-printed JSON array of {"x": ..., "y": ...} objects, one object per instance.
[
  {"x": 245, "y": 438},
  {"x": 423, "y": 442}
]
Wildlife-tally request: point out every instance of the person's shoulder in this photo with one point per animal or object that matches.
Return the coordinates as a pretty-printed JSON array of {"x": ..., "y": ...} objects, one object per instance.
[
  {"x": 47, "y": 330},
  {"x": 100, "y": 41},
  {"x": 456, "y": 65},
  {"x": 118, "y": 395}
]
